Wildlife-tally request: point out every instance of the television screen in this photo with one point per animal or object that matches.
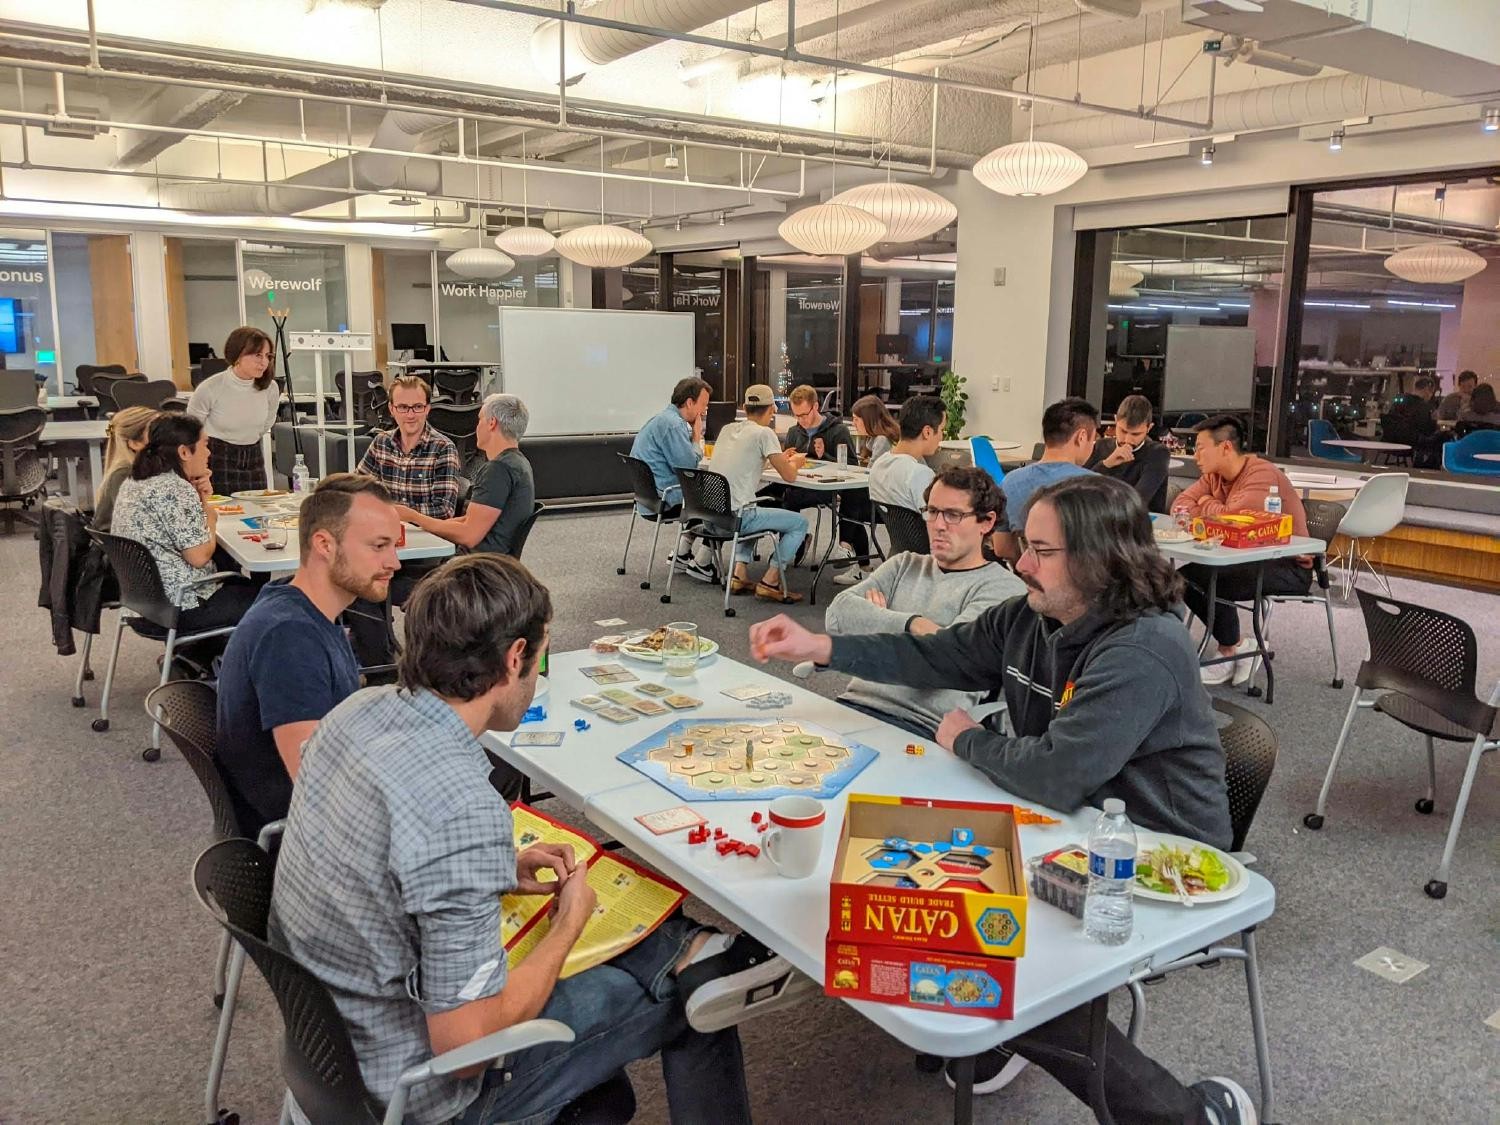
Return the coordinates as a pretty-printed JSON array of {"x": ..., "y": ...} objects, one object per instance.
[
  {"x": 12, "y": 339},
  {"x": 408, "y": 337}
]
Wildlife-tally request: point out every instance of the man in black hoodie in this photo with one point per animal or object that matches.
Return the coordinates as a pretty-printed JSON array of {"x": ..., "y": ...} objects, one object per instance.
[
  {"x": 1101, "y": 680},
  {"x": 819, "y": 436}
]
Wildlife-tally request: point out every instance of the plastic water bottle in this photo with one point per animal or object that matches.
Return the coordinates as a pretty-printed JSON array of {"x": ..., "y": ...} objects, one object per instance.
[
  {"x": 1273, "y": 501},
  {"x": 1108, "y": 912},
  {"x": 300, "y": 475}
]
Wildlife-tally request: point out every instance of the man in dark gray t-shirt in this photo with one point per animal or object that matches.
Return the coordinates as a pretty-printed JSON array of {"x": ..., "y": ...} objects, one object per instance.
[{"x": 504, "y": 492}]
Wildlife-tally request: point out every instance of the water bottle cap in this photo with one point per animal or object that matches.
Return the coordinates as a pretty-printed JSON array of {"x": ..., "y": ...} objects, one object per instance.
[{"x": 1113, "y": 806}]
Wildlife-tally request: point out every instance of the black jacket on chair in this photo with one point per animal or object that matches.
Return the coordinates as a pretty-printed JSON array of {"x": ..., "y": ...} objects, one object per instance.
[{"x": 76, "y": 579}]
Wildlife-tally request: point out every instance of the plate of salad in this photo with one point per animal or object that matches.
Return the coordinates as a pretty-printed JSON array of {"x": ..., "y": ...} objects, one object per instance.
[{"x": 1205, "y": 874}]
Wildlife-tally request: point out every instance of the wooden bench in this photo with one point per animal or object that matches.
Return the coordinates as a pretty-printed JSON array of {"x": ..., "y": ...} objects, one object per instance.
[{"x": 1441, "y": 543}]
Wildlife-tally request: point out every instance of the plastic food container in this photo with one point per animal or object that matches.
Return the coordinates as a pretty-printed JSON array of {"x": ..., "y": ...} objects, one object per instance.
[{"x": 1061, "y": 878}]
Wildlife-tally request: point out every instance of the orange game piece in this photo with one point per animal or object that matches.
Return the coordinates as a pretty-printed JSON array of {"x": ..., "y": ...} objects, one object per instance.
[{"x": 1024, "y": 815}]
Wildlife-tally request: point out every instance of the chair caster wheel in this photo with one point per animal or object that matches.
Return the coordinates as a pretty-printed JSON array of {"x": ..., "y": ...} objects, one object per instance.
[
  {"x": 78, "y": 701},
  {"x": 100, "y": 725},
  {"x": 666, "y": 599},
  {"x": 1338, "y": 683},
  {"x": 730, "y": 612},
  {"x": 151, "y": 753},
  {"x": 1424, "y": 805},
  {"x": 227, "y": 1118},
  {"x": 88, "y": 673},
  {"x": 645, "y": 585},
  {"x": 929, "y": 1064},
  {"x": 1313, "y": 821},
  {"x": 619, "y": 570},
  {"x": 219, "y": 1000},
  {"x": 1436, "y": 888},
  {"x": 1254, "y": 692}
]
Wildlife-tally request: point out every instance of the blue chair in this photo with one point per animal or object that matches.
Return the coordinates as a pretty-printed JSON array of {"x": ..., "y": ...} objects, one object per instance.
[
  {"x": 983, "y": 452},
  {"x": 1319, "y": 432},
  {"x": 1458, "y": 456}
]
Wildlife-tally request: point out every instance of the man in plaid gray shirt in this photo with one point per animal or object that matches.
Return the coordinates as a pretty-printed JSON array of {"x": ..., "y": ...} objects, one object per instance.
[{"x": 397, "y": 851}]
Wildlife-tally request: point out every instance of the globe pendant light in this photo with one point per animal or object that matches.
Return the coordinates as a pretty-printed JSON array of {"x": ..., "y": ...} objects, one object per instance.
[
  {"x": 1435, "y": 263},
  {"x": 909, "y": 212},
  {"x": 1030, "y": 167},
  {"x": 603, "y": 246},
  {"x": 834, "y": 229},
  {"x": 525, "y": 241},
  {"x": 479, "y": 262},
  {"x": 1123, "y": 279}
]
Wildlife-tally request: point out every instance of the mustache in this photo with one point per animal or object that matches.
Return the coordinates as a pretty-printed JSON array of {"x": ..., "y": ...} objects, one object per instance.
[{"x": 1031, "y": 583}]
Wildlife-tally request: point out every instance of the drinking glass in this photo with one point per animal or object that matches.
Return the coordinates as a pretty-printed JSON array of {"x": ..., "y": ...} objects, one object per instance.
[
  {"x": 679, "y": 650},
  {"x": 843, "y": 456},
  {"x": 274, "y": 531}
]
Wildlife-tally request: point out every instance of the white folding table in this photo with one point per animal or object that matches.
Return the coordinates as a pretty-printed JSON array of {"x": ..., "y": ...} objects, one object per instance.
[
  {"x": 253, "y": 557},
  {"x": 1061, "y": 969},
  {"x": 70, "y": 435}
]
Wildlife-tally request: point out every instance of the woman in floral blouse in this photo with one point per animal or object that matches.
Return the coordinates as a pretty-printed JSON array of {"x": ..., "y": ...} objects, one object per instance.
[{"x": 164, "y": 506}]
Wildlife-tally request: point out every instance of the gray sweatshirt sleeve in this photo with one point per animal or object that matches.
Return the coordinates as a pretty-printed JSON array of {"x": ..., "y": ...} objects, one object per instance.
[
  {"x": 851, "y": 612},
  {"x": 969, "y": 657},
  {"x": 1089, "y": 740}
]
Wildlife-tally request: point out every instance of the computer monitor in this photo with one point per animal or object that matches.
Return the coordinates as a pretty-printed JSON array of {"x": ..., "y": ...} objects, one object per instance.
[
  {"x": 197, "y": 352},
  {"x": 408, "y": 337},
  {"x": 892, "y": 344},
  {"x": 720, "y": 414},
  {"x": 12, "y": 339}
]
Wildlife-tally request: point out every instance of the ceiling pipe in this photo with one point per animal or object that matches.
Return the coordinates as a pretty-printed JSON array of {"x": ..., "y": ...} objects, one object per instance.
[
  {"x": 577, "y": 48},
  {"x": 727, "y": 60}
]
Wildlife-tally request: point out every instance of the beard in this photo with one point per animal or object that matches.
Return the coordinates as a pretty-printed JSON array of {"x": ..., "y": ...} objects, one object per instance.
[{"x": 372, "y": 588}]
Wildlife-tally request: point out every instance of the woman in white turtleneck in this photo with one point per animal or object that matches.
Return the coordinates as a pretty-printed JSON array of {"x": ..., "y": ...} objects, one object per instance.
[{"x": 238, "y": 408}]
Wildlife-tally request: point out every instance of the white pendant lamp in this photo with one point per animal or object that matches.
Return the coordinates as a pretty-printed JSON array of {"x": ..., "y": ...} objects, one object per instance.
[
  {"x": 832, "y": 229},
  {"x": 1435, "y": 263},
  {"x": 909, "y": 212},
  {"x": 1029, "y": 168},
  {"x": 525, "y": 242},
  {"x": 1123, "y": 279},
  {"x": 603, "y": 246},
  {"x": 479, "y": 262}
]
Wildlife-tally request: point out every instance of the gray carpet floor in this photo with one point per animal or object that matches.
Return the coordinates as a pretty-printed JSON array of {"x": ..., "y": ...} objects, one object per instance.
[{"x": 105, "y": 959}]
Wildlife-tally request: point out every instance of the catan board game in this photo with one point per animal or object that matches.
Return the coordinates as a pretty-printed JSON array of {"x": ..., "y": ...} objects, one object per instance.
[{"x": 748, "y": 759}]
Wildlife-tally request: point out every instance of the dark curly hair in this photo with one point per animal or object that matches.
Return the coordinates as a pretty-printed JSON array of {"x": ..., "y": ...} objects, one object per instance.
[
  {"x": 461, "y": 619},
  {"x": 1112, "y": 555},
  {"x": 985, "y": 496}
]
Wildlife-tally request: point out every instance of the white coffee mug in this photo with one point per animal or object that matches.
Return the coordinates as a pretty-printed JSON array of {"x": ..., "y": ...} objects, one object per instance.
[{"x": 795, "y": 840}]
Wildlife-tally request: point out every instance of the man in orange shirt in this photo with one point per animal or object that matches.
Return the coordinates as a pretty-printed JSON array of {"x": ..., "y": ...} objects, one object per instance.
[{"x": 1236, "y": 481}]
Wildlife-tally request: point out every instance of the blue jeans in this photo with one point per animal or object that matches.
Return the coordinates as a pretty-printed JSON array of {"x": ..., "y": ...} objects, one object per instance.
[
  {"x": 791, "y": 528},
  {"x": 624, "y": 1010}
]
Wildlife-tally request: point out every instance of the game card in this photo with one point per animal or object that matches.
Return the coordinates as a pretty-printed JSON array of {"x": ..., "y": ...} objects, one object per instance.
[
  {"x": 597, "y": 671},
  {"x": 618, "y": 715},
  {"x": 610, "y": 622},
  {"x": 745, "y": 692},
  {"x": 615, "y": 678},
  {"x": 591, "y": 702},
  {"x": 648, "y": 707},
  {"x": 653, "y": 689},
  {"x": 671, "y": 820},
  {"x": 537, "y": 738},
  {"x": 618, "y": 695},
  {"x": 682, "y": 702}
]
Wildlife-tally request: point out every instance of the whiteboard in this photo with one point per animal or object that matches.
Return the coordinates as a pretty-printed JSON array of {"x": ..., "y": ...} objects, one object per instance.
[
  {"x": 1209, "y": 368},
  {"x": 593, "y": 371}
]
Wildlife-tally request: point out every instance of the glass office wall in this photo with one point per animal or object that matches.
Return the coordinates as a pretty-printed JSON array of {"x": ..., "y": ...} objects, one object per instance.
[
  {"x": 306, "y": 282},
  {"x": 404, "y": 306},
  {"x": 813, "y": 306},
  {"x": 203, "y": 300},
  {"x": 27, "y": 339},
  {"x": 95, "y": 300},
  {"x": 468, "y": 308},
  {"x": 699, "y": 289}
]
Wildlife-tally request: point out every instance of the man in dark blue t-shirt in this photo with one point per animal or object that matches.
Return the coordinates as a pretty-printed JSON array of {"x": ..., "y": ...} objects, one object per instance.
[{"x": 289, "y": 661}]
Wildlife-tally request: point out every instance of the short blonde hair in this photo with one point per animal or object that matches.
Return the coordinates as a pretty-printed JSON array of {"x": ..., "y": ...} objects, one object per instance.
[{"x": 804, "y": 393}]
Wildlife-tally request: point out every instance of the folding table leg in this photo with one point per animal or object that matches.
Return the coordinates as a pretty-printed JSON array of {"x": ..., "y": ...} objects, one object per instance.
[
  {"x": 1258, "y": 1027},
  {"x": 963, "y": 1090}
]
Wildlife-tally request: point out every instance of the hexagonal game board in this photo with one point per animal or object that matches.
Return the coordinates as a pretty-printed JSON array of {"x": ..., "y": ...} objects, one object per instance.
[{"x": 748, "y": 759}]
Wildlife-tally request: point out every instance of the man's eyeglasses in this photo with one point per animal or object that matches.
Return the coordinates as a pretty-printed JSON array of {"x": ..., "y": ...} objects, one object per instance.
[
  {"x": 951, "y": 517},
  {"x": 410, "y": 408},
  {"x": 1040, "y": 552}
]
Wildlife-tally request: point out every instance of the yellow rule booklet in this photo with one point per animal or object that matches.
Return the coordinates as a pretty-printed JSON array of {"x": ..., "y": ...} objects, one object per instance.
[{"x": 633, "y": 900}]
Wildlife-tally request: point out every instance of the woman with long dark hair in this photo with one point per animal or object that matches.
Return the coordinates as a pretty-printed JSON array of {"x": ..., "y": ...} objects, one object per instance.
[
  {"x": 238, "y": 407},
  {"x": 164, "y": 506},
  {"x": 876, "y": 427}
]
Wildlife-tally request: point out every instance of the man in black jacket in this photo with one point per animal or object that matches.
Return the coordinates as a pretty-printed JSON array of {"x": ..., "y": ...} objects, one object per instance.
[
  {"x": 1101, "y": 679},
  {"x": 819, "y": 436},
  {"x": 1131, "y": 455}
]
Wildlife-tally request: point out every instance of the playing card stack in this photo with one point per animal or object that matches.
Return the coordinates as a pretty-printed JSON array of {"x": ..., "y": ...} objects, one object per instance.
[{"x": 620, "y": 706}]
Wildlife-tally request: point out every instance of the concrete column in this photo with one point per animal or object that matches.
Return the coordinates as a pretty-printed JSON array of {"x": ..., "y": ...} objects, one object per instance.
[
  {"x": 892, "y": 306},
  {"x": 153, "y": 335},
  {"x": 359, "y": 267},
  {"x": 776, "y": 324}
]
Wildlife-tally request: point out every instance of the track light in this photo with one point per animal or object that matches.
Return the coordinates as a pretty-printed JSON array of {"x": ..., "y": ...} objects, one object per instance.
[
  {"x": 1336, "y": 142},
  {"x": 1206, "y": 158},
  {"x": 721, "y": 218},
  {"x": 1492, "y": 121},
  {"x": 671, "y": 163}
]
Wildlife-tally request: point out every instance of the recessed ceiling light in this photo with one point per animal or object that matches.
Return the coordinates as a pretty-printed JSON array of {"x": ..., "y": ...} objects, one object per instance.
[
  {"x": 1336, "y": 142},
  {"x": 1207, "y": 156},
  {"x": 1492, "y": 121}
]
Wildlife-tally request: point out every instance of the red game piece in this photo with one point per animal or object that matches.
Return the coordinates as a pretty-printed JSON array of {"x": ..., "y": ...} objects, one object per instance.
[
  {"x": 725, "y": 846},
  {"x": 718, "y": 833},
  {"x": 752, "y": 851},
  {"x": 755, "y": 818},
  {"x": 761, "y": 827}
]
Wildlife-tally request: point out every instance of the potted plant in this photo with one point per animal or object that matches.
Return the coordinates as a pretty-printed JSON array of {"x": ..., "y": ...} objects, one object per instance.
[{"x": 955, "y": 402}]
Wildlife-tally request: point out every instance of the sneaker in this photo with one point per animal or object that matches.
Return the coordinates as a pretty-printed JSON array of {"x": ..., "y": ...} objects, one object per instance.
[
  {"x": 694, "y": 569},
  {"x": 843, "y": 555},
  {"x": 1245, "y": 669},
  {"x": 1227, "y": 1102},
  {"x": 745, "y": 980},
  {"x": 994, "y": 1070},
  {"x": 849, "y": 577},
  {"x": 1230, "y": 669}
]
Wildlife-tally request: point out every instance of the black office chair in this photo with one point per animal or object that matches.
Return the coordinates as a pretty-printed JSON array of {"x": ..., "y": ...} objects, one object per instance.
[
  {"x": 154, "y": 617},
  {"x": 210, "y": 366},
  {"x": 233, "y": 881},
  {"x": 905, "y": 527},
  {"x": 1250, "y": 750},
  {"x": 83, "y": 375},
  {"x": 708, "y": 514},
  {"x": 465, "y": 490},
  {"x": 104, "y": 390},
  {"x": 458, "y": 423},
  {"x": 370, "y": 396},
  {"x": 523, "y": 533},
  {"x": 643, "y": 486},
  {"x": 23, "y": 475},
  {"x": 1422, "y": 672},
  {"x": 458, "y": 387},
  {"x": 187, "y": 710},
  {"x": 151, "y": 393}
]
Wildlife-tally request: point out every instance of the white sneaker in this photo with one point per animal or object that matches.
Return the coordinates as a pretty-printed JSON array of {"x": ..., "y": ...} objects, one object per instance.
[
  {"x": 1231, "y": 669},
  {"x": 849, "y": 577},
  {"x": 747, "y": 979},
  {"x": 1245, "y": 668}
]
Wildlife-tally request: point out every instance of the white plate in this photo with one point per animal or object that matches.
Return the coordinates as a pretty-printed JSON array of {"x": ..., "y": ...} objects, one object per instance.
[
  {"x": 260, "y": 495},
  {"x": 1174, "y": 535},
  {"x": 1239, "y": 878},
  {"x": 706, "y": 648}
]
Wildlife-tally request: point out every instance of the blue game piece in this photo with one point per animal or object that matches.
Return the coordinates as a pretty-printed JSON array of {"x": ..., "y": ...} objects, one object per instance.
[
  {"x": 923, "y": 848},
  {"x": 534, "y": 714},
  {"x": 885, "y": 861},
  {"x": 942, "y": 846},
  {"x": 963, "y": 837},
  {"x": 906, "y": 883},
  {"x": 896, "y": 842},
  {"x": 981, "y": 851},
  {"x": 580, "y": 724}
]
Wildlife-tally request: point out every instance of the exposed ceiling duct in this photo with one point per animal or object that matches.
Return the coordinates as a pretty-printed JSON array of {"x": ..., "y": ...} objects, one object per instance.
[
  {"x": 589, "y": 46},
  {"x": 365, "y": 171}
]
